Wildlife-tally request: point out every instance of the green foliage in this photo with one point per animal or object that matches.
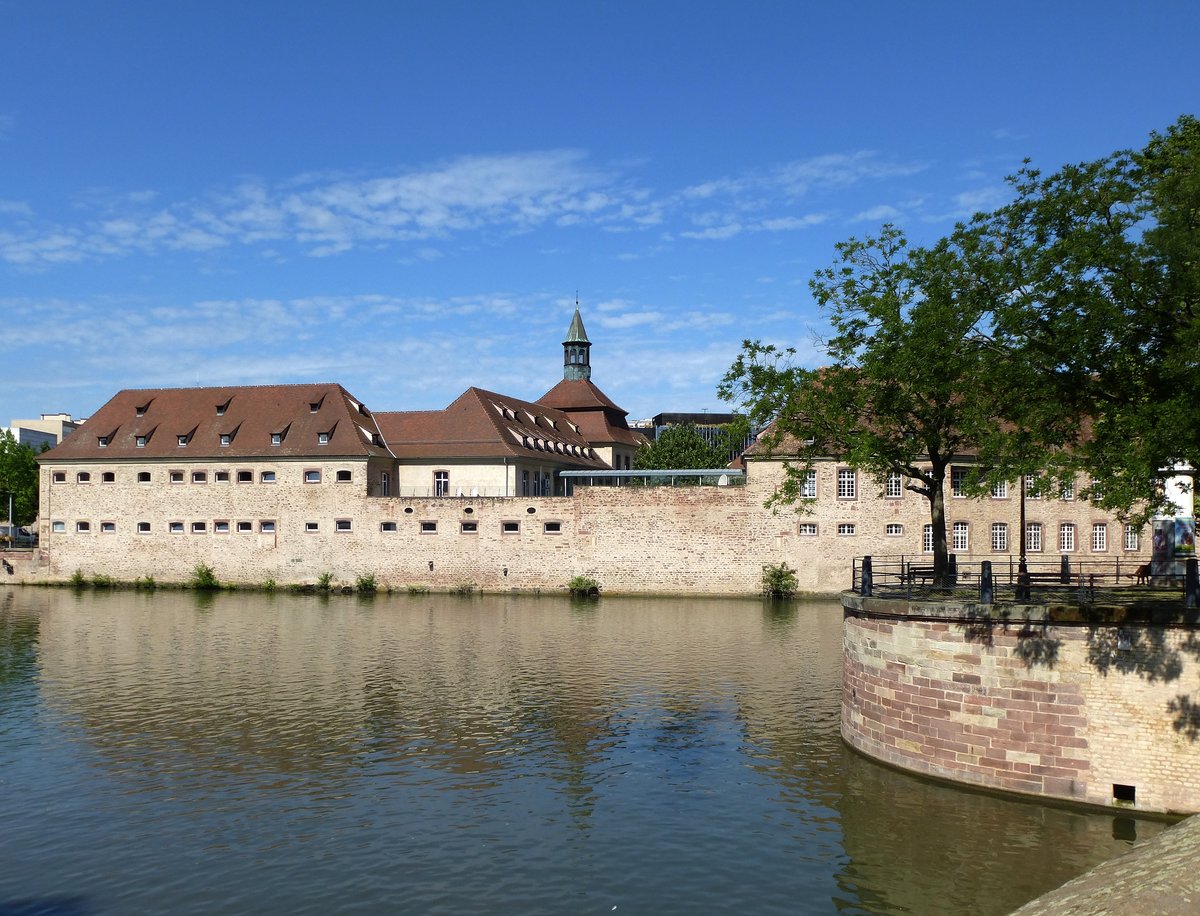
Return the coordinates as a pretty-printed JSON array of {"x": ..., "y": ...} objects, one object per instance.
[
  {"x": 102, "y": 581},
  {"x": 325, "y": 581},
  {"x": 77, "y": 579},
  {"x": 464, "y": 588},
  {"x": 418, "y": 590},
  {"x": 779, "y": 581},
  {"x": 366, "y": 584},
  {"x": 204, "y": 578},
  {"x": 679, "y": 448},
  {"x": 270, "y": 586},
  {"x": 146, "y": 582},
  {"x": 18, "y": 476},
  {"x": 583, "y": 586}
]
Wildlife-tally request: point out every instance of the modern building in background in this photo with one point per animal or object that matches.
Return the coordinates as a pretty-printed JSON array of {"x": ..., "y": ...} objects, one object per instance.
[{"x": 47, "y": 432}]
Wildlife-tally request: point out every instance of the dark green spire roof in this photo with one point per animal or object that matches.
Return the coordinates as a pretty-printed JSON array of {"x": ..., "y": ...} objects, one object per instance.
[{"x": 577, "y": 334}]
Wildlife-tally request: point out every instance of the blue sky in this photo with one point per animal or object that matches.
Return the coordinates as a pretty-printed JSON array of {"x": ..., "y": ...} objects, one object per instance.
[{"x": 407, "y": 197}]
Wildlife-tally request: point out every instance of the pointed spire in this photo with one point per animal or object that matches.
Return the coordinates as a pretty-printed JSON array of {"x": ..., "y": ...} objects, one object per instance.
[{"x": 577, "y": 362}]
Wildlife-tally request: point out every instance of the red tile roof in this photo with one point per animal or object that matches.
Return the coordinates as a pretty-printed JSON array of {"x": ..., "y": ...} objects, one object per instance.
[
  {"x": 249, "y": 416},
  {"x": 602, "y": 421},
  {"x": 484, "y": 424}
]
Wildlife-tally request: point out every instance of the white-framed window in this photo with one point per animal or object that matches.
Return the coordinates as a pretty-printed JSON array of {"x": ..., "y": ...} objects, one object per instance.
[
  {"x": 385, "y": 482},
  {"x": 83, "y": 477},
  {"x": 143, "y": 476},
  {"x": 108, "y": 527},
  {"x": 1033, "y": 537},
  {"x": 266, "y": 477},
  {"x": 847, "y": 483},
  {"x": 312, "y": 527},
  {"x": 1066, "y": 537},
  {"x": 845, "y": 529},
  {"x": 181, "y": 441},
  {"x": 1068, "y": 490},
  {"x": 245, "y": 527},
  {"x": 1031, "y": 484},
  {"x": 342, "y": 524},
  {"x": 83, "y": 527},
  {"x": 175, "y": 527},
  {"x": 312, "y": 475},
  {"x": 221, "y": 527},
  {"x": 428, "y": 527},
  {"x": 927, "y": 539},
  {"x": 322, "y": 438},
  {"x": 958, "y": 479},
  {"x": 102, "y": 441},
  {"x": 140, "y": 441},
  {"x": 387, "y": 527},
  {"x": 266, "y": 526},
  {"x": 226, "y": 438},
  {"x": 108, "y": 477},
  {"x": 199, "y": 527},
  {"x": 1000, "y": 489},
  {"x": 1000, "y": 536},
  {"x": 894, "y": 530},
  {"x": 143, "y": 527},
  {"x": 510, "y": 527},
  {"x": 221, "y": 476},
  {"x": 277, "y": 438},
  {"x": 1099, "y": 537},
  {"x": 961, "y": 535},
  {"x": 808, "y": 484},
  {"x": 345, "y": 477},
  {"x": 58, "y": 527},
  {"x": 893, "y": 488},
  {"x": 59, "y": 477},
  {"x": 468, "y": 527},
  {"x": 1096, "y": 492},
  {"x": 807, "y": 529},
  {"x": 245, "y": 477},
  {"x": 199, "y": 477},
  {"x": 176, "y": 477},
  {"x": 441, "y": 483},
  {"x": 552, "y": 528},
  {"x": 1133, "y": 537}
]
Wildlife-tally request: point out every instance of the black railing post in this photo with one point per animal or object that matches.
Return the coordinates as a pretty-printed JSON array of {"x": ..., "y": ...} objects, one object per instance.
[
  {"x": 987, "y": 594},
  {"x": 952, "y": 571},
  {"x": 866, "y": 578},
  {"x": 1191, "y": 583},
  {"x": 1023, "y": 581},
  {"x": 1064, "y": 570}
]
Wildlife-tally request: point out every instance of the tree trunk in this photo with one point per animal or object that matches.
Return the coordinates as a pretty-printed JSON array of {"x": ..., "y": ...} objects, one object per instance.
[{"x": 937, "y": 516}]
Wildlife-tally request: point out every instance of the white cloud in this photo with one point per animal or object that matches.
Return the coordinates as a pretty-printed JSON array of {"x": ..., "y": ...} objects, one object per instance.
[{"x": 876, "y": 214}]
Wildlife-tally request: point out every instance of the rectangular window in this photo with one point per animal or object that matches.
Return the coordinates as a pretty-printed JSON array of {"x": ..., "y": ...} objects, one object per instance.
[
  {"x": 199, "y": 477},
  {"x": 226, "y": 438},
  {"x": 58, "y": 526},
  {"x": 342, "y": 524},
  {"x": 958, "y": 480},
  {"x": 1068, "y": 490},
  {"x": 808, "y": 485},
  {"x": 143, "y": 528},
  {"x": 387, "y": 526},
  {"x": 266, "y": 477},
  {"x": 1132, "y": 537},
  {"x": 181, "y": 440},
  {"x": 1099, "y": 537},
  {"x": 276, "y": 438},
  {"x": 1033, "y": 537},
  {"x": 312, "y": 476},
  {"x": 961, "y": 537},
  {"x": 244, "y": 527},
  {"x": 312, "y": 527},
  {"x": 894, "y": 487},
  {"x": 999, "y": 536},
  {"x": 322, "y": 438},
  {"x": 102, "y": 441},
  {"x": 267, "y": 526},
  {"x": 441, "y": 483},
  {"x": 428, "y": 527},
  {"x": 510, "y": 527},
  {"x": 83, "y": 527},
  {"x": 108, "y": 527},
  {"x": 1000, "y": 489},
  {"x": 140, "y": 441},
  {"x": 927, "y": 539},
  {"x": 845, "y": 529},
  {"x": 245, "y": 476},
  {"x": 1095, "y": 492},
  {"x": 83, "y": 477},
  {"x": 894, "y": 530},
  {"x": 807, "y": 529},
  {"x": 176, "y": 477},
  {"x": 552, "y": 528},
  {"x": 385, "y": 483},
  {"x": 469, "y": 527},
  {"x": 108, "y": 477},
  {"x": 59, "y": 477},
  {"x": 221, "y": 527},
  {"x": 199, "y": 527},
  {"x": 221, "y": 476},
  {"x": 143, "y": 476},
  {"x": 175, "y": 527},
  {"x": 1066, "y": 537},
  {"x": 847, "y": 483},
  {"x": 1031, "y": 487},
  {"x": 344, "y": 477}
]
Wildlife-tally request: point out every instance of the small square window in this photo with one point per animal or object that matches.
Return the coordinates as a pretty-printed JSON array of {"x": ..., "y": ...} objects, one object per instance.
[
  {"x": 83, "y": 477},
  {"x": 221, "y": 408},
  {"x": 343, "y": 476},
  {"x": 266, "y": 477},
  {"x": 143, "y": 476},
  {"x": 221, "y": 527},
  {"x": 266, "y": 527},
  {"x": 221, "y": 476},
  {"x": 469, "y": 527},
  {"x": 199, "y": 527},
  {"x": 58, "y": 526},
  {"x": 244, "y": 527},
  {"x": 141, "y": 411},
  {"x": 387, "y": 526},
  {"x": 182, "y": 440},
  {"x": 428, "y": 527},
  {"x": 177, "y": 477},
  {"x": 807, "y": 529},
  {"x": 510, "y": 527},
  {"x": 314, "y": 406},
  {"x": 140, "y": 441},
  {"x": 245, "y": 476},
  {"x": 312, "y": 527},
  {"x": 322, "y": 438},
  {"x": 226, "y": 438},
  {"x": 199, "y": 477},
  {"x": 102, "y": 441},
  {"x": 59, "y": 477},
  {"x": 552, "y": 528},
  {"x": 108, "y": 527},
  {"x": 894, "y": 530},
  {"x": 276, "y": 438},
  {"x": 312, "y": 476},
  {"x": 342, "y": 524},
  {"x": 83, "y": 527},
  {"x": 845, "y": 529},
  {"x": 175, "y": 527},
  {"x": 108, "y": 477},
  {"x": 143, "y": 528}
]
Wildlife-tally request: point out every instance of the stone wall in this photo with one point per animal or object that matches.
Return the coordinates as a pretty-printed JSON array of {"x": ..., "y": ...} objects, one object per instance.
[{"x": 1087, "y": 713}]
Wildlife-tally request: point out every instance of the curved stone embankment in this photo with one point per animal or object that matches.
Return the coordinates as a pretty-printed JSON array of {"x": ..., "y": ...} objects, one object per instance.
[
  {"x": 1032, "y": 700},
  {"x": 1157, "y": 878}
]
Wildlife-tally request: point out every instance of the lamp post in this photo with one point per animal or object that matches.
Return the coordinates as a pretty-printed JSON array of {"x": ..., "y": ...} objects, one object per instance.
[{"x": 1022, "y": 568}]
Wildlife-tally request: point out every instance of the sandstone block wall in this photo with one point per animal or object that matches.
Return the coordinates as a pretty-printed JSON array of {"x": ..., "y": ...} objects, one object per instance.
[{"x": 1100, "y": 715}]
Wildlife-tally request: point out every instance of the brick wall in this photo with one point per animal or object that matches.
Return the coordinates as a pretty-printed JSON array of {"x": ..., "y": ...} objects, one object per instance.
[{"x": 1062, "y": 711}]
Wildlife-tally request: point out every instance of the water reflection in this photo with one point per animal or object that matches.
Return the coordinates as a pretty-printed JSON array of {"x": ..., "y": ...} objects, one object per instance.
[{"x": 513, "y": 753}]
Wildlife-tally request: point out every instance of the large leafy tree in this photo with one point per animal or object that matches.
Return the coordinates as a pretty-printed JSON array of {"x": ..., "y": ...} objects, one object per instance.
[
  {"x": 680, "y": 448},
  {"x": 18, "y": 476},
  {"x": 1099, "y": 318},
  {"x": 909, "y": 381}
]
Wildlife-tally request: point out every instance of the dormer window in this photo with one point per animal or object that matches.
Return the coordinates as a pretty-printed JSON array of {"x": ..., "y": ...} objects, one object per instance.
[
  {"x": 277, "y": 438},
  {"x": 322, "y": 438},
  {"x": 102, "y": 441},
  {"x": 221, "y": 408},
  {"x": 226, "y": 438},
  {"x": 140, "y": 441},
  {"x": 141, "y": 410},
  {"x": 182, "y": 440},
  {"x": 314, "y": 406}
]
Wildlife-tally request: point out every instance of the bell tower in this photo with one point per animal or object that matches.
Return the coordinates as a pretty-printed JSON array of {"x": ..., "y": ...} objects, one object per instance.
[{"x": 577, "y": 360}]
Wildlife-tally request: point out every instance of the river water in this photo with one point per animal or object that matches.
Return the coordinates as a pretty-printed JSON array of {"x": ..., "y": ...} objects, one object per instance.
[{"x": 175, "y": 752}]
